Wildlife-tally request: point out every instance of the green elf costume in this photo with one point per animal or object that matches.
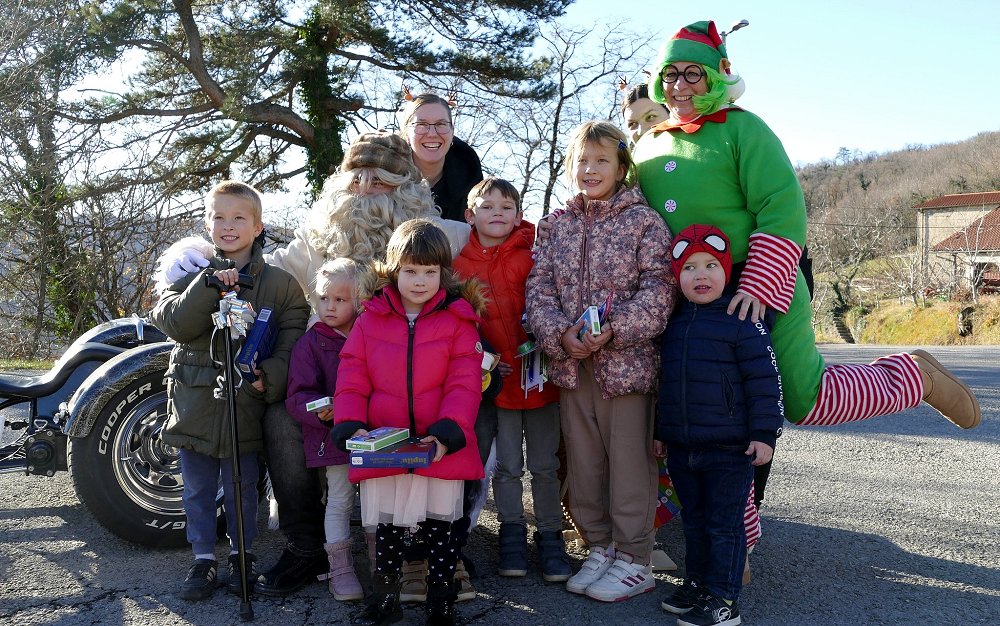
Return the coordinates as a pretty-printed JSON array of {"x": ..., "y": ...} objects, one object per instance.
[{"x": 725, "y": 167}]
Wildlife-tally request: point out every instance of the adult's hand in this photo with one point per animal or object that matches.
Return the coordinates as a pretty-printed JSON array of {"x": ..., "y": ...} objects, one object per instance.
[
  {"x": 747, "y": 303},
  {"x": 186, "y": 262}
]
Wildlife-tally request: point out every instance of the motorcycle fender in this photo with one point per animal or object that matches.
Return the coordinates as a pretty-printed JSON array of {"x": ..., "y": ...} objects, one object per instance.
[{"x": 110, "y": 378}]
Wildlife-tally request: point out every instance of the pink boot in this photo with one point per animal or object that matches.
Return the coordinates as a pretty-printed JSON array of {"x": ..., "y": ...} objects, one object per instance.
[{"x": 344, "y": 583}]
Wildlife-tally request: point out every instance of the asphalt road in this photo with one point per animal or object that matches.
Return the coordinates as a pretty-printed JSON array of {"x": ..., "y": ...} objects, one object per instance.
[{"x": 891, "y": 521}]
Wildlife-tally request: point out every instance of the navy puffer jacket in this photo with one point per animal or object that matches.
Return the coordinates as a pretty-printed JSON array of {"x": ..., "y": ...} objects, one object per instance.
[{"x": 719, "y": 382}]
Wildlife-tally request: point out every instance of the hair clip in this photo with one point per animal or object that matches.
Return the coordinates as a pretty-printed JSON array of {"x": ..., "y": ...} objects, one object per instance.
[{"x": 621, "y": 145}]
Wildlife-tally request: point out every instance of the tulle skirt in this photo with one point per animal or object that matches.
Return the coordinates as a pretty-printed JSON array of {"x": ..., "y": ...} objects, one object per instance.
[{"x": 408, "y": 499}]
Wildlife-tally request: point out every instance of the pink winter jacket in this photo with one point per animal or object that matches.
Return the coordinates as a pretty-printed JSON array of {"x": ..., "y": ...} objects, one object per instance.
[
  {"x": 616, "y": 246},
  {"x": 425, "y": 376}
]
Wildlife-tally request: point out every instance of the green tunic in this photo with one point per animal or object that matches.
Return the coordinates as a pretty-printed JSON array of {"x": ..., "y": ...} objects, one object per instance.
[{"x": 735, "y": 174}]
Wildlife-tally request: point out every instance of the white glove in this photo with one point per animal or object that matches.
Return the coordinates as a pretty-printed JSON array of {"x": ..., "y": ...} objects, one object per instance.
[{"x": 188, "y": 261}]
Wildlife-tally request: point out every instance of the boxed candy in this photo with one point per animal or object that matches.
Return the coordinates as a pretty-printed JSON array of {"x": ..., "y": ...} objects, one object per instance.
[
  {"x": 378, "y": 439},
  {"x": 410, "y": 452}
]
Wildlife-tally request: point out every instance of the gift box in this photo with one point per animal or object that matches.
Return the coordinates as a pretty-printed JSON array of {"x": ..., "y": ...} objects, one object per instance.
[
  {"x": 408, "y": 453},
  {"x": 378, "y": 439},
  {"x": 258, "y": 346}
]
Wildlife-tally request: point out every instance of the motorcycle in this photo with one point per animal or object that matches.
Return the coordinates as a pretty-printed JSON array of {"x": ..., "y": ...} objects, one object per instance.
[{"x": 98, "y": 414}]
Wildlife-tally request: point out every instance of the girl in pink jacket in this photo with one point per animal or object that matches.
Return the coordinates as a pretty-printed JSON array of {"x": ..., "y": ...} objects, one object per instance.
[{"x": 413, "y": 360}]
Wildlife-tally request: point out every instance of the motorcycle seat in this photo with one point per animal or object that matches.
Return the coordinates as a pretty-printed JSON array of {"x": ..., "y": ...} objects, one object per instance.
[{"x": 12, "y": 385}]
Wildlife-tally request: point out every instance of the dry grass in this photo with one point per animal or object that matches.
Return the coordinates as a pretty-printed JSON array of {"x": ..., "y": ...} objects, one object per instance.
[{"x": 936, "y": 324}]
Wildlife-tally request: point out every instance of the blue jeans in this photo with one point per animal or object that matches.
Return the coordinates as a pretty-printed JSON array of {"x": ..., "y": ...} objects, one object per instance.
[
  {"x": 297, "y": 488},
  {"x": 201, "y": 486},
  {"x": 713, "y": 485}
]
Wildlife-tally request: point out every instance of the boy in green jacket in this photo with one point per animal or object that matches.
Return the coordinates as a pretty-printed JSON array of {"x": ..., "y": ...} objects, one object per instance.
[{"x": 198, "y": 423}]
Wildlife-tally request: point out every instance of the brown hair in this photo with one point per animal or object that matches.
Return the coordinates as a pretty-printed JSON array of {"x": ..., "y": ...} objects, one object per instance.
[
  {"x": 597, "y": 131},
  {"x": 420, "y": 242},
  {"x": 492, "y": 183},
  {"x": 425, "y": 98},
  {"x": 239, "y": 189}
]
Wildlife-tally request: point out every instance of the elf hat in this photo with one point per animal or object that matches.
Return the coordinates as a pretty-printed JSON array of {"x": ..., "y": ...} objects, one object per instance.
[
  {"x": 387, "y": 151},
  {"x": 700, "y": 43},
  {"x": 700, "y": 238}
]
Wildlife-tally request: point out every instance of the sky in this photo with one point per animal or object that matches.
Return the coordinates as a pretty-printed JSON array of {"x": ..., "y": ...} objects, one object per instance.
[{"x": 873, "y": 76}]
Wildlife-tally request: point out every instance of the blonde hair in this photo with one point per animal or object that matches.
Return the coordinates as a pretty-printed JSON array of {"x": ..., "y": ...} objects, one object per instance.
[
  {"x": 420, "y": 242},
  {"x": 597, "y": 131},
  {"x": 331, "y": 272},
  {"x": 239, "y": 189},
  {"x": 489, "y": 184},
  {"x": 343, "y": 223}
]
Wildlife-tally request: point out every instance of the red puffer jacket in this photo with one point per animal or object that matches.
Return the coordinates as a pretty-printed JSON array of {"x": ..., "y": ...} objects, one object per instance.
[
  {"x": 438, "y": 357},
  {"x": 503, "y": 271}
]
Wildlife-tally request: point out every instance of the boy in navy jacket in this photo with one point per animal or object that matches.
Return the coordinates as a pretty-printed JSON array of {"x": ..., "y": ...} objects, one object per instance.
[{"x": 719, "y": 414}]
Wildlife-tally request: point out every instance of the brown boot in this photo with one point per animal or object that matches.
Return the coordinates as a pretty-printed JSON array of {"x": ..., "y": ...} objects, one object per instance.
[
  {"x": 344, "y": 583},
  {"x": 946, "y": 393},
  {"x": 413, "y": 582}
]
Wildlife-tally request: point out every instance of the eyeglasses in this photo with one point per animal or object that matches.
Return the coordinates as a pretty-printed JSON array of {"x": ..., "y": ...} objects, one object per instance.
[
  {"x": 692, "y": 74},
  {"x": 422, "y": 128}
]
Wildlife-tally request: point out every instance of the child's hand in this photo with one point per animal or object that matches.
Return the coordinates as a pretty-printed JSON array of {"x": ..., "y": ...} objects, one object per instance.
[
  {"x": 659, "y": 449},
  {"x": 259, "y": 383},
  {"x": 361, "y": 432},
  {"x": 439, "y": 448},
  {"x": 593, "y": 343},
  {"x": 504, "y": 370},
  {"x": 746, "y": 302},
  {"x": 761, "y": 453},
  {"x": 572, "y": 344},
  {"x": 229, "y": 278},
  {"x": 325, "y": 415}
]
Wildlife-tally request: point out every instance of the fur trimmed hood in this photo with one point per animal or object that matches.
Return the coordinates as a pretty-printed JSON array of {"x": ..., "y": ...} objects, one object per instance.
[{"x": 376, "y": 277}]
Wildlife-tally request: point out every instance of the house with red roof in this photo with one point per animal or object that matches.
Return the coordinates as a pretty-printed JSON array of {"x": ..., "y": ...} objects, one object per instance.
[{"x": 959, "y": 236}]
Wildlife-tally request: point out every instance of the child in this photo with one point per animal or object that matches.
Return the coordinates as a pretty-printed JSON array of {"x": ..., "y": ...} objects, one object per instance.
[
  {"x": 199, "y": 423},
  {"x": 499, "y": 254},
  {"x": 720, "y": 411},
  {"x": 608, "y": 244},
  {"x": 413, "y": 360},
  {"x": 313, "y": 375}
]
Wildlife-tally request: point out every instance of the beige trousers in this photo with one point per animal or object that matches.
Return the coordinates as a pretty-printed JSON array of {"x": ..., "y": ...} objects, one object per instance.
[{"x": 611, "y": 470}]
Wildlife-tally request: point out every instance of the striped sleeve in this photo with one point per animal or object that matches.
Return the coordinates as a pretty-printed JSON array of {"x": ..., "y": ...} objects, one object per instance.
[{"x": 772, "y": 265}]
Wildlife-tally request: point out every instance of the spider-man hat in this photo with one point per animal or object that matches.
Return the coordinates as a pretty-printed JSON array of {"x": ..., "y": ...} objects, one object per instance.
[{"x": 700, "y": 238}]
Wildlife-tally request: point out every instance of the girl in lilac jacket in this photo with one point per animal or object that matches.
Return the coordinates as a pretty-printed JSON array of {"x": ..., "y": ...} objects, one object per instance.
[
  {"x": 312, "y": 374},
  {"x": 413, "y": 360}
]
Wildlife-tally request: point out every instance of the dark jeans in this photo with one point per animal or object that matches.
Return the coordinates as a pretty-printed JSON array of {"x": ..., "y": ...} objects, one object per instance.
[
  {"x": 713, "y": 485},
  {"x": 297, "y": 488},
  {"x": 201, "y": 485}
]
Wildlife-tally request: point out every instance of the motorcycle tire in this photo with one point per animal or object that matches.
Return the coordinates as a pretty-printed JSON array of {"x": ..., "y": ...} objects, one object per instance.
[{"x": 128, "y": 479}]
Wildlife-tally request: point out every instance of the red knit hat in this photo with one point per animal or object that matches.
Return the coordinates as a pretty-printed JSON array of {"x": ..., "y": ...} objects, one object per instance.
[{"x": 700, "y": 238}]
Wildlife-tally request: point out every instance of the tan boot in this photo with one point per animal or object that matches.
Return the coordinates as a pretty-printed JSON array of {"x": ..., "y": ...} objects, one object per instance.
[
  {"x": 746, "y": 571},
  {"x": 413, "y": 582},
  {"x": 946, "y": 393},
  {"x": 344, "y": 583}
]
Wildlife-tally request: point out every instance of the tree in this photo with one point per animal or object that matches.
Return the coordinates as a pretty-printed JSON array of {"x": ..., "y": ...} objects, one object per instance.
[{"x": 225, "y": 86}]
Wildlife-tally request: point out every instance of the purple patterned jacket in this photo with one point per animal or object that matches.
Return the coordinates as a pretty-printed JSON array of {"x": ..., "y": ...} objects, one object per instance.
[{"x": 618, "y": 246}]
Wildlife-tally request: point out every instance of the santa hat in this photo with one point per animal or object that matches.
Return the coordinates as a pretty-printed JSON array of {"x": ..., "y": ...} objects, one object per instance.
[
  {"x": 387, "y": 151},
  {"x": 700, "y": 238},
  {"x": 700, "y": 43}
]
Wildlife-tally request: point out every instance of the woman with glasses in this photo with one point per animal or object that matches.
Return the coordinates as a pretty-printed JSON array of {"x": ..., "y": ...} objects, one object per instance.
[{"x": 449, "y": 165}]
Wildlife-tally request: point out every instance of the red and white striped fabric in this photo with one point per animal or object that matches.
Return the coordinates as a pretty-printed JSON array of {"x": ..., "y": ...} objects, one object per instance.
[
  {"x": 751, "y": 521},
  {"x": 771, "y": 268},
  {"x": 850, "y": 393}
]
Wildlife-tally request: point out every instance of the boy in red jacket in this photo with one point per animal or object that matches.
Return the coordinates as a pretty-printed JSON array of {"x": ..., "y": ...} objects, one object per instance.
[{"x": 499, "y": 255}]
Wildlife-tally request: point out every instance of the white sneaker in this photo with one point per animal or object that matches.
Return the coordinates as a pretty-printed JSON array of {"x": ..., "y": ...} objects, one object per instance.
[
  {"x": 598, "y": 562},
  {"x": 622, "y": 581}
]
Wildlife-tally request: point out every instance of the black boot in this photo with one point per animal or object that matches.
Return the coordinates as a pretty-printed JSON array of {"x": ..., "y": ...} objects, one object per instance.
[
  {"x": 552, "y": 557},
  {"x": 383, "y": 604},
  {"x": 441, "y": 603},
  {"x": 513, "y": 550},
  {"x": 291, "y": 573}
]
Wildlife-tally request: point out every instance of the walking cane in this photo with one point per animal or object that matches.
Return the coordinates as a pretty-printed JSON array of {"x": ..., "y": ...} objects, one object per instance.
[{"x": 235, "y": 315}]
